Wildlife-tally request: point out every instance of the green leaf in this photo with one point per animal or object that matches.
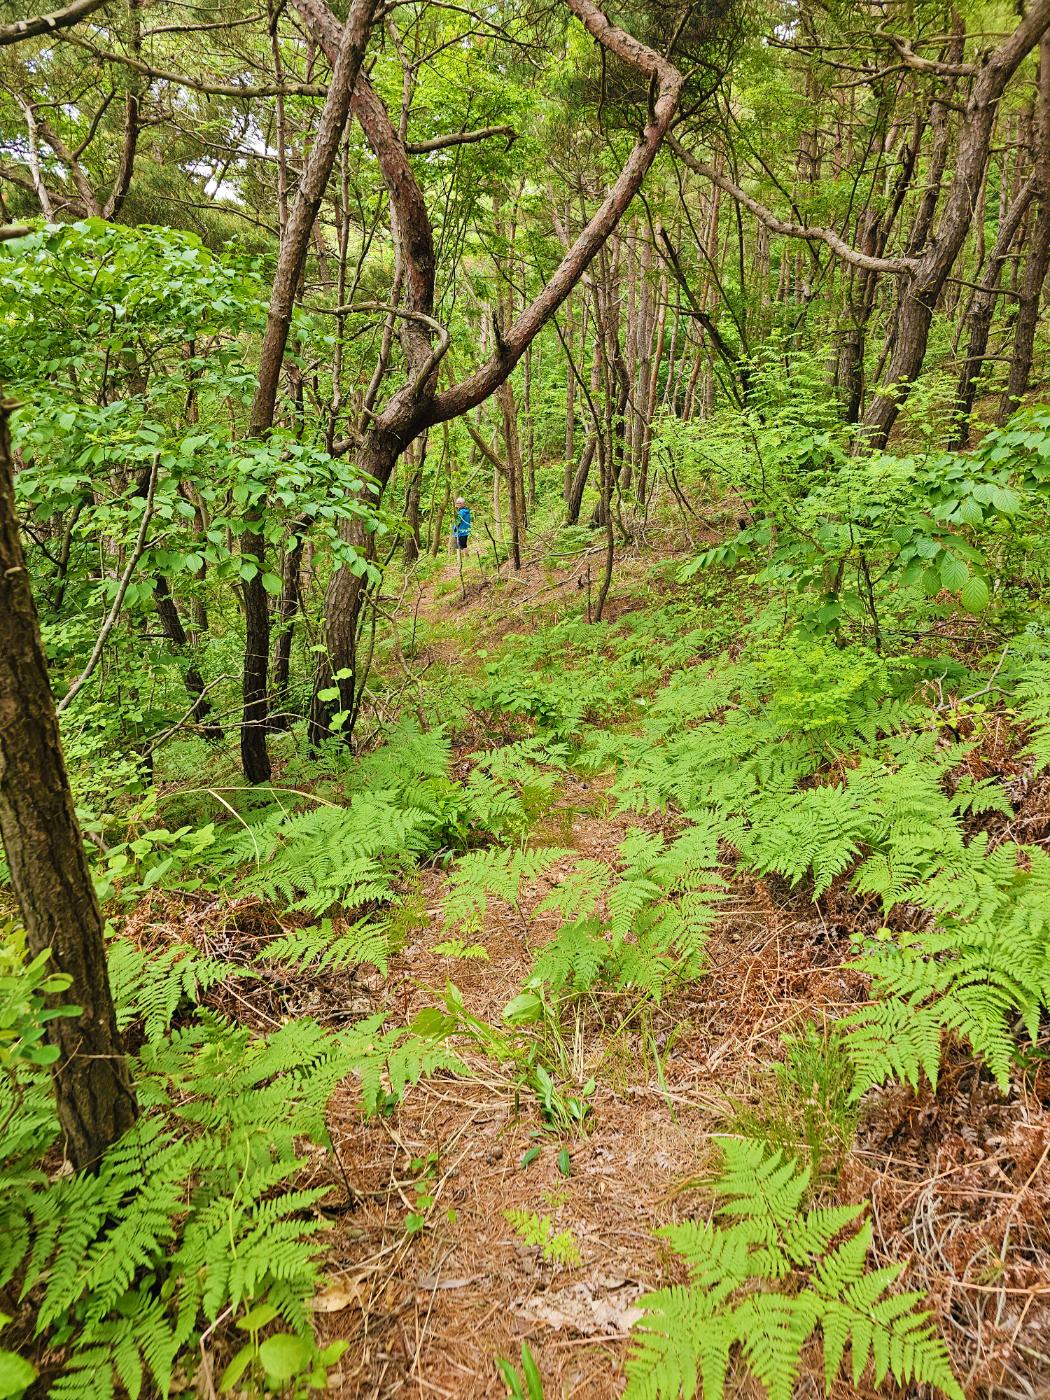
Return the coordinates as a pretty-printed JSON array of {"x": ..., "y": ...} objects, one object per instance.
[
  {"x": 954, "y": 572},
  {"x": 975, "y": 595},
  {"x": 257, "y": 1317},
  {"x": 524, "y": 1009},
  {"x": 16, "y": 1375},
  {"x": 284, "y": 1355},
  {"x": 531, "y": 1372},
  {"x": 1006, "y": 500},
  {"x": 237, "y": 1367}
]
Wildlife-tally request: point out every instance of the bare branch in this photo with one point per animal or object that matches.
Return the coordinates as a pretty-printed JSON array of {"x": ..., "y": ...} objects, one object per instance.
[
  {"x": 788, "y": 230},
  {"x": 460, "y": 138},
  {"x": 48, "y": 24},
  {"x": 214, "y": 89},
  {"x": 668, "y": 82},
  {"x": 910, "y": 59}
]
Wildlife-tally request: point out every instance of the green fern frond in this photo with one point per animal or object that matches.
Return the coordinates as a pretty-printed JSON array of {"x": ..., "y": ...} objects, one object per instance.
[
  {"x": 150, "y": 987},
  {"x": 480, "y": 876},
  {"x": 320, "y": 948},
  {"x": 762, "y": 1285}
]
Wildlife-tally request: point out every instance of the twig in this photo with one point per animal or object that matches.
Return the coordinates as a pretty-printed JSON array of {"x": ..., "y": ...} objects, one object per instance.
[
  {"x": 167, "y": 734},
  {"x": 122, "y": 588}
]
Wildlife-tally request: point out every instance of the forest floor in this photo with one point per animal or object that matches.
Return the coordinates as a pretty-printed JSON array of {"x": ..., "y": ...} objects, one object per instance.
[{"x": 425, "y": 1277}]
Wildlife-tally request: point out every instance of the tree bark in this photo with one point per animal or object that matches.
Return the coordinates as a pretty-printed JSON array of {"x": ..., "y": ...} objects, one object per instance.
[
  {"x": 171, "y": 624},
  {"x": 48, "y": 24},
  {"x": 930, "y": 270},
  {"x": 49, "y": 870},
  {"x": 982, "y": 309},
  {"x": 1039, "y": 254},
  {"x": 348, "y": 56}
]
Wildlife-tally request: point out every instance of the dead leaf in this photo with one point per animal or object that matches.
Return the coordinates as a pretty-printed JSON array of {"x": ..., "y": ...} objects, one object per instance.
[
  {"x": 577, "y": 1309},
  {"x": 431, "y": 1282},
  {"x": 338, "y": 1297}
]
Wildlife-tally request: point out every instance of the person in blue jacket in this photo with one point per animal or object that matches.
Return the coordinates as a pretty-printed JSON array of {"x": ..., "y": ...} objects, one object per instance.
[{"x": 461, "y": 529}]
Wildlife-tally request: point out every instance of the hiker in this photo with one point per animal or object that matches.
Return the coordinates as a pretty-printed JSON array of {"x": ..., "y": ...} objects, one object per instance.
[{"x": 461, "y": 529}]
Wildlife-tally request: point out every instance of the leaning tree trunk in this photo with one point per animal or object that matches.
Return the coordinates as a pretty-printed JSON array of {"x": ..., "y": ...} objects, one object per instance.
[
  {"x": 49, "y": 870},
  {"x": 346, "y": 64},
  {"x": 345, "y": 598}
]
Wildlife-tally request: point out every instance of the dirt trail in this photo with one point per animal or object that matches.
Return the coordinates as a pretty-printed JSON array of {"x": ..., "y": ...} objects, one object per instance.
[
  {"x": 428, "y": 1313},
  {"x": 950, "y": 1177}
]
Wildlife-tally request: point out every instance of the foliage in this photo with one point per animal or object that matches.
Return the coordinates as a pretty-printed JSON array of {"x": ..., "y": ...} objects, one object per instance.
[
  {"x": 852, "y": 537},
  {"x": 193, "y": 1217},
  {"x": 761, "y": 1285},
  {"x": 556, "y": 1246},
  {"x": 528, "y": 1385}
]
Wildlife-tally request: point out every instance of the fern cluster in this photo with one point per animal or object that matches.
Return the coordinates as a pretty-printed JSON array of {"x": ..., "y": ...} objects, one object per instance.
[
  {"x": 872, "y": 794},
  {"x": 193, "y": 1217},
  {"x": 537, "y": 1231},
  {"x": 398, "y": 806},
  {"x": 765, "y": 1281},
  {"x": 638, "y": 926},
  {"x": 151, "y": 986}
]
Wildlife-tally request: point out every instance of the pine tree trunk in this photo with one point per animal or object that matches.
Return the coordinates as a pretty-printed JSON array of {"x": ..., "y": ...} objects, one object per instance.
[
  {"x": 49, "y": 870},
  {"x": 570, "y": 405},
  {"x": 982, "y": 310},
  {"x": 515, "y": 504}
]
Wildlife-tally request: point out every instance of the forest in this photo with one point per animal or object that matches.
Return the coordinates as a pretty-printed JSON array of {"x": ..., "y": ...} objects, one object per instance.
[{"x": 525, "y": 699}]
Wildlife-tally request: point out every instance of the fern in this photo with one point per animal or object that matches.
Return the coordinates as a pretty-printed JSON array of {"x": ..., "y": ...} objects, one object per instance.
[
  {"x": 639, "y": 927},
  {"x": 194, "y": 1214},
  {"x": 1027, "y": 675},
  {"x": 761, "y": 1285},
  {"x": 556, "y": 1246},
  {"x": 456, "y": 948},
  {"x": 481, "y": 876},
  {"x": 344, "y": 856},
  {"x": 151, "y": 986},
  {"x": 321, "y": 949}
]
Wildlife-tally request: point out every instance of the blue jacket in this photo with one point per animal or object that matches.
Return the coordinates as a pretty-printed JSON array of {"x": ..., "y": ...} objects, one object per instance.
[{"x": 463, "y": 522}]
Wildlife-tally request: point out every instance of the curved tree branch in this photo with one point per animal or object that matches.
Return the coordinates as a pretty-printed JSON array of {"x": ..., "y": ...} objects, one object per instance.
[
  {"x": 185, "y": 80},
  {"x": 668, "y": 83},
  {"x": 786, "y": 229},
  {"x": 460, "y": 138}
]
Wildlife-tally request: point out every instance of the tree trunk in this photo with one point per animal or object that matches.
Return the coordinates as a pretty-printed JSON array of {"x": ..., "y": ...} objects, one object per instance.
[
  {"x": 920, "y": 290},
  {"x": 982, "y": 309},
  {"x": 1039, "y": 256},
  {"x": 345, "y": 598},
  {"x": 290, "y": 261},
  {"x": 49, "y": 870},
  {"x": 288, "y": 605},
  {"x": 570, "y": 404},
  {"x": 515, "y": 502},
  {"x": 171, "y": 624}
]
